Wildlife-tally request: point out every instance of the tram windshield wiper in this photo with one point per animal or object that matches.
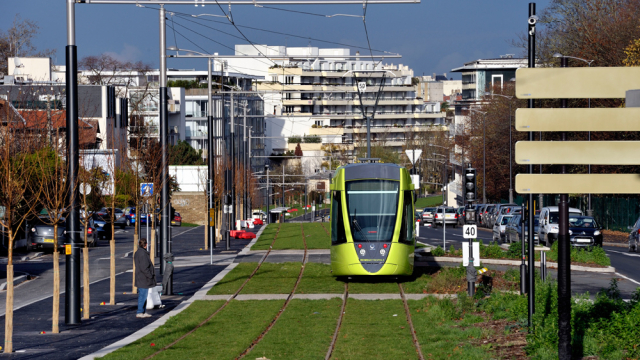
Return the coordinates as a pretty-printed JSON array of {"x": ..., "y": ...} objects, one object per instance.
[{"x": 355, "y": 222}]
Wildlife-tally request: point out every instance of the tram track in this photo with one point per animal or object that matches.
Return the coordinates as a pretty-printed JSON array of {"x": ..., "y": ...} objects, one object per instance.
[
  {"x": 335, "y": 333},
  {"x": 325, "y": 229},
  {"x": 227, "y": 302},
  {"x": 411, "y": 328},
  {"x": 286, "y": 303}
]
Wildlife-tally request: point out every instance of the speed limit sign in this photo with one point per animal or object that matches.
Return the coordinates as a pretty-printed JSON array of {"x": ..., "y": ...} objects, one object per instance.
[{"x": 470, "y": 231}]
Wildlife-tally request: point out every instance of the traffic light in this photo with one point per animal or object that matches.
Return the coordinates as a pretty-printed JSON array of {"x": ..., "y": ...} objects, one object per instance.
[{"x": 470, "y": 184}]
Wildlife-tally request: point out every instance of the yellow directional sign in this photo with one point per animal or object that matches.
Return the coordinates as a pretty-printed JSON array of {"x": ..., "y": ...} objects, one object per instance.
[
  {"x": 577, "y": 183},
  {"x": 573, "y": 83},
  {"x": 597, "y": 119},
  {"x": 212, "y": 217},
  {"x": 578, "y": 152}
]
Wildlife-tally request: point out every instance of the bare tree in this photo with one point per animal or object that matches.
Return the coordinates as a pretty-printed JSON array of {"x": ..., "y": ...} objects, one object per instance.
[
  {"x": 17, "y": 199},
  {"x": 17, "y": 42}
]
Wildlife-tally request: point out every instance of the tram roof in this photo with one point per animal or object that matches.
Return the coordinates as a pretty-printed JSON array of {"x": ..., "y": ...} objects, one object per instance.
[{"x": 371, "y": 171}]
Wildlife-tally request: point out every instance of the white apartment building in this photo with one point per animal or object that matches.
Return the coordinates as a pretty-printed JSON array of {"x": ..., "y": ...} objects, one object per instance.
[{"x": 311, "y": 93}]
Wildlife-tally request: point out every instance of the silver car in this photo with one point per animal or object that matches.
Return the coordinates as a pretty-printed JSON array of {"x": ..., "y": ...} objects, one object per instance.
[
  {"x": 499, "y": 227},
  {"x": 447, "y": 215}
]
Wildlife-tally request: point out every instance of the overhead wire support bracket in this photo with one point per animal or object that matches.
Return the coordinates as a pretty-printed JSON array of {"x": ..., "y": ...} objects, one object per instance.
[{"x": 247, "y": 2}]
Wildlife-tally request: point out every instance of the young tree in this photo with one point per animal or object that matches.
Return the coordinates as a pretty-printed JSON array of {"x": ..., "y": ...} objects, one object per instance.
[
  {"x": 51, "y": 178},
  {"x": 17, "y": 199}
]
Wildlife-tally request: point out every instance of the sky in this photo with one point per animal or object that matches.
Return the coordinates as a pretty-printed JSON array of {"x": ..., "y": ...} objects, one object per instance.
[{"x": 434, "y": 36}]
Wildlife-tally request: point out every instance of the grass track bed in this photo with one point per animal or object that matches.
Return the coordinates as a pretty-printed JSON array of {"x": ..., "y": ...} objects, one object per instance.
[
  {"x": 371, "y": 331},
  {"x": 266, "y": 238},
  {"x": 290, "y": 237},
  {"x": 303, "y": 331},
  {"x": 273, "y": 279},
  {"x": 229, "y": 333},
  {"x": 317, "y": 279},
  {"x": 169, "y": 332},
  {"x": 316, "y": 236},
  {"x": 233, "y": 280},
  {"x": 373, "y": 285}
]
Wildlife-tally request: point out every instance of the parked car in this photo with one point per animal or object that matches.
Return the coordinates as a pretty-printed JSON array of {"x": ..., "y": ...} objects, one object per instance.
[
  {"x": 427, "y": 216},
  {"x": 499, "y": 227},
  {"x": 41, "y": 234},
  {"x": 259, "y": 214},
  {"x": 177, "y": 219},
  {"x": 500, "y": 209},
  {"x": 486, "y": 214},
  {"x": 479, "y": 209},
  {"x": 119, "y": 219},
  {"x": 446, "y": 216},
  {"x": 130, "y": 215},
  {"x": 584, "y": 231},
  {"x": 548, "y": 231},
  {"x": 513, "y": 230},
  {"x": 103, "y": 226}
]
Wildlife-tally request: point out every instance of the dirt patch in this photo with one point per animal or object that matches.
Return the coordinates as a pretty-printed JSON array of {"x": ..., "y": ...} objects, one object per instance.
[
  {"x": 506, "y": 339},
  {"x": 619, "y": 237}
]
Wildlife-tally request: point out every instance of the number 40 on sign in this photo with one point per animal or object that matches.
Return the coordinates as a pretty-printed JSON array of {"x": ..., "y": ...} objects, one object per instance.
[{"x": 470, "y": 231}]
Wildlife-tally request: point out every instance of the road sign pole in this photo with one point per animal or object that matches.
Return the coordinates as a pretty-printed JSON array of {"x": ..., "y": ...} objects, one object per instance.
[
  {"x": 564, "y": 261},
  {"x": 530, "y": 211}
]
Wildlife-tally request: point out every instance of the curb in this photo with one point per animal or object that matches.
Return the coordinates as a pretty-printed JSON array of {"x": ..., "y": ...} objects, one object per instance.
[
  {"x": 615, "y": 244},
  {"x": 16, "y": 281},
  {"x": 435, "y": 260}
]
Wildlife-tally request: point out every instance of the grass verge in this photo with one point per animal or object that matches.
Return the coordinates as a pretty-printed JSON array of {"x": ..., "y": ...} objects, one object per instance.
[
  {"x": 317, "y": 279},
  {"x": 228, "y": 333},
  {"x": 373, "y": 329},
  {"x": 186, "y": 224},
  {"x": 451, "y": 280},
  {"x": 290, "y": 237},
  {"x": 303, "y": 331},
  {"x": 316, "y": 236},
  {"x": 266, "y": 238},
  {"x": 273, "y": 279},
  {"x": 429, "y": 201},
  {"x": 167, "y": 333}
]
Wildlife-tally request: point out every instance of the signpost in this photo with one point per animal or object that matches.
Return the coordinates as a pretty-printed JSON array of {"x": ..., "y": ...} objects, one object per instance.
[
  {"x": 146, "y": 189},
  {"x": 570, "y": 83}
]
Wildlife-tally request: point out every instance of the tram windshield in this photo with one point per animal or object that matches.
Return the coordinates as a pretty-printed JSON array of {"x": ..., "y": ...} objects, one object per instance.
[{"x": 373, "y": 208}]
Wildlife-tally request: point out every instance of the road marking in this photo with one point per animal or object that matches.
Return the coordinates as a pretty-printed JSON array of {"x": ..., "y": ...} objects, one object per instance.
[
  {"x": 633, "y": 281},
  {"x": 624, "y": 253}
]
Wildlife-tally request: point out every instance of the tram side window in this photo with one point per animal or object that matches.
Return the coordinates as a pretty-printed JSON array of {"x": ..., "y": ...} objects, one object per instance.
[
  {"x": 337, "y": 225},
  {"x": 406, "y": 231}
]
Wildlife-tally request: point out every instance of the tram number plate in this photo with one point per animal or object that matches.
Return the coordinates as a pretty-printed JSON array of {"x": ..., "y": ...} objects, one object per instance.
[{"x": 470, "y": 231}]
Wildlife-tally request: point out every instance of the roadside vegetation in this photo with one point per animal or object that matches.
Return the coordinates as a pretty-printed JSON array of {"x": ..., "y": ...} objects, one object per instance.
[{"x": 429, "y": 201}]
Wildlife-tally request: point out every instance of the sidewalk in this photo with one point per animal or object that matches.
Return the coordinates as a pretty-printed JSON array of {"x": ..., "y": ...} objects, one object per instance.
[{"x": 109, "y": 324}]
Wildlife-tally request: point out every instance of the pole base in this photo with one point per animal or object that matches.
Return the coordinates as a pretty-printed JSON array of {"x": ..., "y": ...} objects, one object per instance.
[
  {"x": 471, "y": 288},
  {"x": 523, "y": 279}
]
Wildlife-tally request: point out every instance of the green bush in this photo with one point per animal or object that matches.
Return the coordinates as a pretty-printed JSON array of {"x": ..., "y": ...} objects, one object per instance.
[
  {"x": 492, "y": 251},
  {"x": 438, "y": 251},
  {"x": 312, "y": 139},
  {"x": 515, "y": 250},
  {"x": 595, "y": 255}
]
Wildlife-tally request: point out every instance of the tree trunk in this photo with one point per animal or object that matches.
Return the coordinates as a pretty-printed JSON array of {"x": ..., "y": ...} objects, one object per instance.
[
  {"x": 8, "y": 318},
  {"x": 56, "y": 291},
  {"x": 152, "y": 247},
  {"x": 206, "y": 223},
  {"x": 134, "y": 289},
  {"x": 85, "y": 283},
  {"x": 112, "y": 270}
]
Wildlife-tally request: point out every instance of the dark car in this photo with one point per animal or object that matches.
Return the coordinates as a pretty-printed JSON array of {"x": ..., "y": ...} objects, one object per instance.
[
  {"x": 41, "y": 234},
  {"x": 130, "y": 216},
  {"x": 119, "y": 219},
  {"x": 513, "y": 230},
  {"x": 428, "y": 215},
  {"x": 461, "y": 211},
  {"x": 633, "y": 236},
  {"x": 584, "y": 231},
  {"x": 103, "y": 226},
  {"x": 176, "y": 220}
]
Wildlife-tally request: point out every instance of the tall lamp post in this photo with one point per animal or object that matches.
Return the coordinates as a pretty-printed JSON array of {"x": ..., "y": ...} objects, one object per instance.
[
  {"x": 484, "y": 154},
  {"x": 510, "y": 148},
  {"x": 558, "y": 55}
]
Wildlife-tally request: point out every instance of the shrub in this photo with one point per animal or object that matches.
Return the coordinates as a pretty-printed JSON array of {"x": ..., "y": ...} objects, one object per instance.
[
  {"x": 515, "y": 250},
  {"x": 438, "y": 251},
  {"x": 295, "y": 140}
]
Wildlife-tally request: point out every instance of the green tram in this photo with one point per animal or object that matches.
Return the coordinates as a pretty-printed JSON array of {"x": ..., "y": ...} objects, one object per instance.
[{"x": 372, "y": 220}]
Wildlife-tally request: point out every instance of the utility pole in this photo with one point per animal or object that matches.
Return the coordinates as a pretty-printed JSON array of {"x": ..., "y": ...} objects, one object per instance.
[
  {"x": 233, "y": 160},
  {"x": 530, "y": 210},
  {"x": 165, "y": 222},
  {"x": 212, "y": 154},
  {"x": 564, "y": 263},
  {"x": 72, "y": 263},
  {"x": 266, "y": 167}
]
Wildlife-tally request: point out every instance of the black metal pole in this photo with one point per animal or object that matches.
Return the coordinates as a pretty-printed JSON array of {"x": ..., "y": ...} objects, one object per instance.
[
  {"x": 531, "y": 210},
  {"x": 211, "y": 154},
  {"x": 523, "y": 265},
  {"x": 564, "y": 262},
  {"x": 510, "y": 157},
  {"x": 232, "y": 113},
  {"x": 72, "y": 262},
  {"x": 164, "y": 125}
]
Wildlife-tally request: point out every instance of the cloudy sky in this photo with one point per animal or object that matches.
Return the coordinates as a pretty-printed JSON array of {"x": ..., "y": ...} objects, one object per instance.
[{"x": 432, "y": 37}]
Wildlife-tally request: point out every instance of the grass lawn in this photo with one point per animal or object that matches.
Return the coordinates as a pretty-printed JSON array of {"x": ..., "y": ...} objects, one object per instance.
[
  {"x": 273, "y": 279},
  {"x": 169, "y": 332},
  {"x": 266, "y": 238},
  {"x": 316, "y": 236},
  {"x": 428, "y": 201},
  {"x": 317, "y": 279},
  {"x": 374, "y": 329},
  {"x": 452, "y": 338},
  {"x": 229, "y": 333},
  {"x": 290, "y": 237},
  {"x": 451, "y": 280},
  {"x": 232, "y": 281},
  {"x": 304, "y": 331},
  {"x": 373, "y": 285},
  {"x": 186, "y": 224}
]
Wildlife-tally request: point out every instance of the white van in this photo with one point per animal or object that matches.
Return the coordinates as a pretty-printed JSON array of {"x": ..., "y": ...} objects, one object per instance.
[{"x": 548, "y": 230}]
